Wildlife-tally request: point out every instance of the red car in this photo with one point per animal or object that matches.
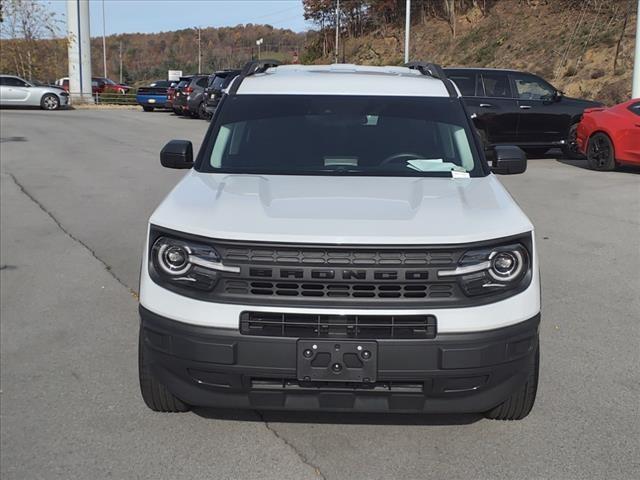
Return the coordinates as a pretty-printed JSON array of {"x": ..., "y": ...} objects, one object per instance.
[
  {"x": 611, "y": 136},
  {"x": 106, "y": 85}
]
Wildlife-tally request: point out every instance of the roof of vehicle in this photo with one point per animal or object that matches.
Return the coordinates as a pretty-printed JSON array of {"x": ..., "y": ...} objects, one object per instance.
[{"x": 342, "y": 79}]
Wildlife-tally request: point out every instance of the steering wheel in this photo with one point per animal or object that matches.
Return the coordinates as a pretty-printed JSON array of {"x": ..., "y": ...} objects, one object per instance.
[{"x": 406, "y": 156}]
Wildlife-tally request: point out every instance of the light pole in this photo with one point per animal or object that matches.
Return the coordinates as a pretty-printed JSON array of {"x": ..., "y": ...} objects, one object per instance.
[
  {"x": 199, "y": 52},
  {"x": 259, "y": 42},
  {"x": 337, "y": 29},
  {"x": 407, "y": 27},
  {"x": 104, "y": 42},
  {"x": 635, "y": 88}
]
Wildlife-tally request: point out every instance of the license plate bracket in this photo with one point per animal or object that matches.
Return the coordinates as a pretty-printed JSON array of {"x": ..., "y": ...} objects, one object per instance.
[{"x": 337, "y": 361}]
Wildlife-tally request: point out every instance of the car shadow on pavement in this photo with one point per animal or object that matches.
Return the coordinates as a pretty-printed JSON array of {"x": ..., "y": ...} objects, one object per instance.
[{"x": 337, "y": 418}]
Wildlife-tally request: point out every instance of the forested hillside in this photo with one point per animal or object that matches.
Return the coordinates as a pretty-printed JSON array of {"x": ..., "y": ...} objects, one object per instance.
[
  {"x": 149, "y": 56},
  {"x": 584, "y": 47}
]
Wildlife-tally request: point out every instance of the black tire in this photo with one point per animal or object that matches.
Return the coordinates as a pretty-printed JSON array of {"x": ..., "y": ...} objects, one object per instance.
[
  {"x": 518, "y": 405},
  {"x": 147, "y": 109},
  {"x": 535, "y": 152},
  {"x": 177, "y": 111},
  {"x": 157, "y": 397},
  {"x": 49, "y": 101},
  {"x": 601, "y": 155},
  {"x": 570, "y": 150},
  {"x": 202, "y": 111}
]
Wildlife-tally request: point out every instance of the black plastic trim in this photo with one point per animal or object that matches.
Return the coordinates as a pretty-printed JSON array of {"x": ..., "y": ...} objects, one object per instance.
[{"x": 454, "y": 372}]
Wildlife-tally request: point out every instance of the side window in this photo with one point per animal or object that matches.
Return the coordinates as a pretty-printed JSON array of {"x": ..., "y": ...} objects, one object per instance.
[
  {"x": 532, "y": 88},
  {"x": 466, "y": 83},
  {"x": 12, "y": 82},
  {"x": 635, "y": 108},
  {"x": 3, "y": 81},
  {"x": 496, "y": 85},
  {"x": 202, "y": 82}
]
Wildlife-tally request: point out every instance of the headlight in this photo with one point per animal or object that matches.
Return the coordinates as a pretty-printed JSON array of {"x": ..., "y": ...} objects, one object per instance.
[
  {"x": 185, "y": 263},
  {"x": 492, "y": 270}
]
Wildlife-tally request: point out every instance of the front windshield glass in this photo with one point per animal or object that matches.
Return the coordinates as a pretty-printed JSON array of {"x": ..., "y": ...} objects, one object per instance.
[{"x": 340, "y": 135}]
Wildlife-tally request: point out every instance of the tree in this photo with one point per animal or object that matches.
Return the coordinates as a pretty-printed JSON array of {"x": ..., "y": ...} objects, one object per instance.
[{"x": 24, "y": 23}]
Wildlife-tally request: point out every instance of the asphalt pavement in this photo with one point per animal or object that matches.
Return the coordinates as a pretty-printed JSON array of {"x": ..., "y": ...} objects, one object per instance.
[{"x": 76, "y": 190}]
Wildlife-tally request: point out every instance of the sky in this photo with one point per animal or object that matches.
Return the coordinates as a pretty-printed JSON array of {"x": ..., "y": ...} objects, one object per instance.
[{"x": 149, "y": 16}]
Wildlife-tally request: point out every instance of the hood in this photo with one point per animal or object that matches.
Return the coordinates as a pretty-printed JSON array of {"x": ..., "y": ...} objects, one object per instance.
[
  {"x": 584, "y": 103},
  {"x": 341, "y": 210}
]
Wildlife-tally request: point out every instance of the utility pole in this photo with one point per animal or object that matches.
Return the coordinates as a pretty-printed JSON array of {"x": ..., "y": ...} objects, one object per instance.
[
  {"x": 120, "y": 61},
  {"x": 407, "y": 28},
  {"x": 79, "y": 50},
  {"x": 199, "y": 53},
  {"x": 635, "y": 89},
  {"x": 337, "y": 29},
  {"x": 104, "y": 42}
]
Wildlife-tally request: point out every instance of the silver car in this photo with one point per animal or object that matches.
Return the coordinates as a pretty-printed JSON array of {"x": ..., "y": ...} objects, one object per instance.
[{"x": 14, "y": 91}]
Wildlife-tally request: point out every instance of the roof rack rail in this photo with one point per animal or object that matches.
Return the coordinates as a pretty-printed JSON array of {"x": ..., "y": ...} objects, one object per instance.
[
  {"x": 251, "y": 68},
  {"x": 434, "y": 71}
]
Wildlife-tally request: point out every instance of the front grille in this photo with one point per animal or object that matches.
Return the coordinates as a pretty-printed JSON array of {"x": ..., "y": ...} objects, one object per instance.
[
  {"x": 317, "y": 275},
  {"x": 340, "y": 290},
  {"x": 337, "y": 326}
]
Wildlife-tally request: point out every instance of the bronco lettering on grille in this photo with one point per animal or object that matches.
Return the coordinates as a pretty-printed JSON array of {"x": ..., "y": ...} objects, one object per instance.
[{"x": 295, "y": 273}]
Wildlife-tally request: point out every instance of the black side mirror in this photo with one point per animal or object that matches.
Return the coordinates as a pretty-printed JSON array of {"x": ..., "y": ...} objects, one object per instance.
[
  {"x": 508, "y": 160},
  {"x": 177, "y": 154},
  {"x": 557, "y": 96}
]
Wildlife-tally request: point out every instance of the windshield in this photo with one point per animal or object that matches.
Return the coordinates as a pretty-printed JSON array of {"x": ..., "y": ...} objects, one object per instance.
[{"x": 339, "y": 135}]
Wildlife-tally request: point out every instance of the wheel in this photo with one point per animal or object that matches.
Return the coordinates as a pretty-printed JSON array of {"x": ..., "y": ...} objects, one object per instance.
[
  {"x": 600, "y": 152},
  {"x": 177, "y": 111},
  {"x": 202, "y": 111},
  {"x": 50, "y": 102},
  {"x": 535, "y": 152},
  {"x": 154, "y": 393},
  {"x": 147, "y": 109},
  {"x": 518, "y": 405},
  {"x": 570, "y": 150}
]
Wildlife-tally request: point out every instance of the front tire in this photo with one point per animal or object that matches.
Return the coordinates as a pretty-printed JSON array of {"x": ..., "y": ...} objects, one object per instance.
[
  {"x": 520, "y": 403},
  {"x": 202, "y": 111},
  {"x": 156, "y": 396},
  {"x": 600, "y": 152},
  {"x": 50, "y": 102}
]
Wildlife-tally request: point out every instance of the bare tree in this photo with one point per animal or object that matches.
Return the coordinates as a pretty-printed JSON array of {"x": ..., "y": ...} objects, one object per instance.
[{"x": 24, "y": 22}]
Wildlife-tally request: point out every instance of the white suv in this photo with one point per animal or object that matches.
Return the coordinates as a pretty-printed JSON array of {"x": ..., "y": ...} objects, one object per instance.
[{"x": 340, "y": 243}]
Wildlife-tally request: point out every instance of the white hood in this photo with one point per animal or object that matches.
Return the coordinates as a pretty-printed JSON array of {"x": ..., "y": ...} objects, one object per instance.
[{"x": 341, "y": 210}]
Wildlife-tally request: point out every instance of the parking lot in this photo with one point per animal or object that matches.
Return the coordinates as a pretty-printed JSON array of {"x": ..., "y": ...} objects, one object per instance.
[{"x": 77, "y": 189}]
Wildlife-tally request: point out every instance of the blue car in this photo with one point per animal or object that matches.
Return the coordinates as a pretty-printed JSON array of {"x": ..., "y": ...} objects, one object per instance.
[{"x": 154, "y": 96}]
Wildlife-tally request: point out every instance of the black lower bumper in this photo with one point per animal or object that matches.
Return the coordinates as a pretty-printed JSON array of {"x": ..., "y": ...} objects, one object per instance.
[{"x": 453, "y": 373}]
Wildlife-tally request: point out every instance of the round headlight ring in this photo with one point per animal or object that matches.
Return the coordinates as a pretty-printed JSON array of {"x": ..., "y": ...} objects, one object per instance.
[
  {"x": 173, "y": 259},
  {"x": 506, "y": 265}
]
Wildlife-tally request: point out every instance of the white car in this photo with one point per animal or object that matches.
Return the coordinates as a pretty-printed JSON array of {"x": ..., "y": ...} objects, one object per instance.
[
  {"x": 17, "y": 92},
  {"x": 340, "y": 243}
]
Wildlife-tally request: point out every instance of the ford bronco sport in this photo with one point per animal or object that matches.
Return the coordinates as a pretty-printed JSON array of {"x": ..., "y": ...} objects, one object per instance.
[{"x": 340, "y": 243}]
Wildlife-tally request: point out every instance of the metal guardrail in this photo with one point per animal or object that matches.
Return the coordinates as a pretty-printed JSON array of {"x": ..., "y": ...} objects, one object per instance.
[{"x": 110, "y": 98}]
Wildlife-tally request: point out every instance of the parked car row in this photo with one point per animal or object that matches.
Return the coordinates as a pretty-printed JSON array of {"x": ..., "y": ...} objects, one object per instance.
[{"x": 192, "y": 95}]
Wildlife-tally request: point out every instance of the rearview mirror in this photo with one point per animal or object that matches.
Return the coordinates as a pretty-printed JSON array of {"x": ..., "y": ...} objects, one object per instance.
[
  {"x": 177, "y": 154},
  {"x": 508, "y": 160}
]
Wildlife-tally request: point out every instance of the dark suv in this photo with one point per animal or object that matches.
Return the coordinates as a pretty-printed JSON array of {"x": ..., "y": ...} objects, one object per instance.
[
  {"x": 217, "y": 82},
  {"x": 512, "y": 107},
  {"x": 188, "y": 99}
]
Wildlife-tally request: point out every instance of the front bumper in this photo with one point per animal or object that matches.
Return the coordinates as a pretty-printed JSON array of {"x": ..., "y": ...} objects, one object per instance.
[{"x": 453, "y": 373}]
